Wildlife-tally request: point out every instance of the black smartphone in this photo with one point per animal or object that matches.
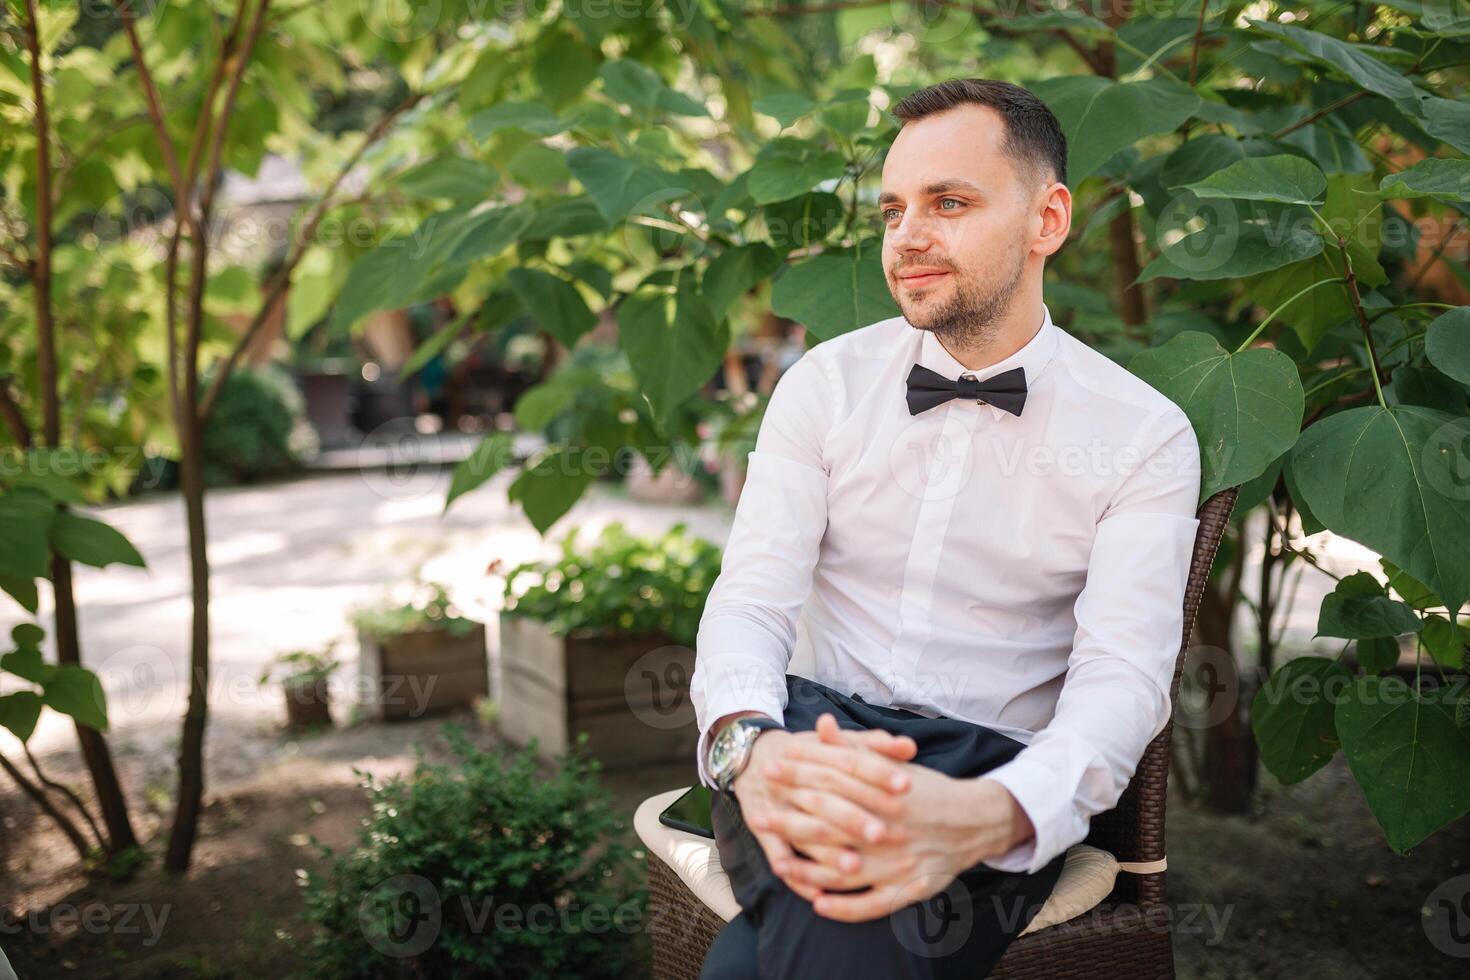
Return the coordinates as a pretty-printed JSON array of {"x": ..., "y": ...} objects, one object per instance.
[{"x": 691, "y": 812}]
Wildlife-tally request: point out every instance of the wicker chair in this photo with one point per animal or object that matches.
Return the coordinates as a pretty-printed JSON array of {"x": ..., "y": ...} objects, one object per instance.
[{"x": 1126, "y": 935}]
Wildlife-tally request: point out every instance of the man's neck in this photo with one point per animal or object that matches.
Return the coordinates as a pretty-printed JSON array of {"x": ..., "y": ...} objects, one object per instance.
[{"x": 1006, "y": 335}]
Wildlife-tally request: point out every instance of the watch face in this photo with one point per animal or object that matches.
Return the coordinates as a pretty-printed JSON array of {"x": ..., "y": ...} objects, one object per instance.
[{"x": 725, "y": 752}]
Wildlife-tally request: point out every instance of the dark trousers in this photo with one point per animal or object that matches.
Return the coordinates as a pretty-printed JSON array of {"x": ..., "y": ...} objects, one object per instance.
[{"x": 961, "y": 932}]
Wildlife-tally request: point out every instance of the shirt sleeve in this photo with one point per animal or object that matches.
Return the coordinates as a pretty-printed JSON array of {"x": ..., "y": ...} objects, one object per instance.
[
  {"x": 748, "y": 629},
  {"x": 1115, "y": 696}
]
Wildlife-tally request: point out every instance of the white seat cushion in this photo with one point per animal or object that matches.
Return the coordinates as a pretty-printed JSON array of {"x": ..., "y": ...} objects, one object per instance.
[{"x": 1087, "y": 876}]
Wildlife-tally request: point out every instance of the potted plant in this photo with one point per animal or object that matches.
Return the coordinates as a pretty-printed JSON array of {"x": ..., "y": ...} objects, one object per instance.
[
  {"x": 421, "y": 657},
  {"x": 600, "y": 642},
  {"x": 303, "y": 676}
]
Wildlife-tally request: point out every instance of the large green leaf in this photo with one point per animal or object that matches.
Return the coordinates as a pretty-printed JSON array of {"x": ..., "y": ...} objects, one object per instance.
[
  {"x": 19, "y": 713},
  {"x": 490, "y": 457},
  {"x": 1232, "y": 250},
  {"x": 673, "y": 342},
  {"x": 786, "y": 107},
  {"x": 640, "y": 87},
  {"x": 621, "y": 187},
  {"x": 1284, "y": 179},
  {"x": 1246, "y": 408},
  {"x": 429, "y": 262},
  {"x": 1100, "y": 116},
  {"x": 1447, "y": 344},
  {"x": 77, "y": 692},
  {"x": 22, "y": 590},
  {"x": 1407, "y": 754},
  {"x": 1445, "y": 642},
  {"x": 533, "y": 117},
  {"x": 565, "y": 217},
  {"x": 734, "y": 272},
  {"x": 549, "y": 487},
  {"x": 25, "y": 517},
  {"x": 1394, "y": 480},
  {"x": 1358, "y": 608},
  {"x": 787, "y": 167},
  {"x": 92, "y": 542},
  {"x": 554, "y": 303},
  {"x": 1291, "y": 716},
  {"x": 452, "y": 177},
  {"x": 835, "y": 292},
  {"x": 1364, "y": 69},
  {"x": 1441, "y": 179}
]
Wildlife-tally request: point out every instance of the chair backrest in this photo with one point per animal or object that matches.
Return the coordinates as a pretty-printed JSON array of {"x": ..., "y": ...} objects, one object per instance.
[{"x": 1134, "y": 829}]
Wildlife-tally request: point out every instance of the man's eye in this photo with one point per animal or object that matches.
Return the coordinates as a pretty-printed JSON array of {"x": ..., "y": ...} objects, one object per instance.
[
  {"x": 949, "y": 200},
  {"x": 887, "y": 213}
]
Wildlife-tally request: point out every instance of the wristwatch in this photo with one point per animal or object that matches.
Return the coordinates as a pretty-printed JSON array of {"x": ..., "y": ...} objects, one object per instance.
[{"x": 729, "y": 752}]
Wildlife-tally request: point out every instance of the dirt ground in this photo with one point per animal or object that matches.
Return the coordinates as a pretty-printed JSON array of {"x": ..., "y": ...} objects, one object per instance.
[{"x": 1303, "y": 888}]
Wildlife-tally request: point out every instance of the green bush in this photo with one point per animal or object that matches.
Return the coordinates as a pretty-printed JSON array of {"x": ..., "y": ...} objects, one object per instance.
[
  {"x": 254, "y": 430},
  {"x": 429, "y": 608},
  {"x": 479, "y": 868},
  {"x": 622, "y": 583}
]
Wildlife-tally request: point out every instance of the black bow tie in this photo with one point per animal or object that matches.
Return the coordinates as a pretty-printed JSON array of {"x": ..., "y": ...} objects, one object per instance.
[{"x": 927, "y": 389}]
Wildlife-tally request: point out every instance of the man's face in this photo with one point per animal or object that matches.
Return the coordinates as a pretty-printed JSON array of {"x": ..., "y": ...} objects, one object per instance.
[{"x": 956, "y": 214}]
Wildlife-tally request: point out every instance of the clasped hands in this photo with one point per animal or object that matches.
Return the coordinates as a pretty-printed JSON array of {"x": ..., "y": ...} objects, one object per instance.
[{"x": 863, "y": 814}]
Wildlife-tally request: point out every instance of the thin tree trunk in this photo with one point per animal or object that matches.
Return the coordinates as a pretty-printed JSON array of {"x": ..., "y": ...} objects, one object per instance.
[
  {"x": 1228, "y": 774},
  {"x": 191, "y": 745},
  {"x": 68, "y": 643},
  {"x": 44, "y": 802}
]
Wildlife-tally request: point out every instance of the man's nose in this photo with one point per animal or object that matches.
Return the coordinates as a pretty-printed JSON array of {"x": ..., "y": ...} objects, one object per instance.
[{"x": 913, "y": 233}]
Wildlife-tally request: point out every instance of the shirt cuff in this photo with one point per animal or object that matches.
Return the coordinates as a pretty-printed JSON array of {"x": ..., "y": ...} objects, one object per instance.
[
  {"x": 729, "y": 686},
  {"x": 1037, "y": 790}
]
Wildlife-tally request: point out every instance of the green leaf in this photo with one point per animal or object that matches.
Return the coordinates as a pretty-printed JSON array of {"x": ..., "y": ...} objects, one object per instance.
[
  {"x": 835, "y": 292},
  {"x": 548, "y": 488},
  {"x": 1368, "y": 72},
  {"x": 622, "y": 187},
  {"x": 786, "y": 107},
  {"x": 92, "y": 542},
  {"x": 734, "y": 272},
  {"x": 535, "y": 118},
  {"x": 565, "y": 217},
  {"x": 491, "y": 456},
  {"x": 554, "y": 303},
  {"x": 1446, "y": 119},
  {"x": 1408, "y": 588},
  {"x": 1358, "y": 608},
  {"x": 1285, "y": 179},
  {"x": 1378, "y": 653},
  {"x": 77, "y": 692},
  {"x": 1445, "y": 642},
  {"x": 640, "y": 87},
  {"x": 1246, "y": 408},
  {"x": 22, "y": 590},
  {"x": 24, "y": 520},
  {"x": 1409, "y": 757},
  {"x": 19, "y": 713},
  {"x": 1101, "y": 117},
  {"x": 1441, "y": 179},
  {"x": 1392, "y": 480},
  {"x": 1233, "y": 250},
  {"x": 1292, "y": 717},
  {"x": 673, "y": 342},
  {"x": 787, "y": 167},
  {"x": 1447, "y": 343},
  {"x": 1310, "y": 524},
  {"x": 455, "y": 178},
  {"x": 53, "y": 472}
]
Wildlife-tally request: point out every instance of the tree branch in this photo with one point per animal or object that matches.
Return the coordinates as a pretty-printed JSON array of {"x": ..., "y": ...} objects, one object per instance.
[
  {"x": 15, "y": 420},
  {"x": 47, "y": 807},
  {"x": 282, "y": 276},
  {"x": 65, "y": 791},
  {"x": 41, "y": 267}
]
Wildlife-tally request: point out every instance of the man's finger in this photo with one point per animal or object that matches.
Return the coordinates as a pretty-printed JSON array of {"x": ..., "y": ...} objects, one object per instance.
[
  {"x": 800, "y": 829},
  {"x": 785, "y": 773},
  {"x": 859, "y": 906},
  {"x": 840, "y": 812},
  {"x": 899, "y": 747},
  {"x": 865, "y": 765}
]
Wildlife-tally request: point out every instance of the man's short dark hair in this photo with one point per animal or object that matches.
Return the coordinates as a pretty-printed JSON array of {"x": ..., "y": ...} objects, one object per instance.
[{"x": 1033, "y": 139}]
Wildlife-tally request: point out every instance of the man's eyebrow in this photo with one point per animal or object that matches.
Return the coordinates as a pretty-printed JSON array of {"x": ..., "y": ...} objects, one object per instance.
[{"x": 938, "y": 187}]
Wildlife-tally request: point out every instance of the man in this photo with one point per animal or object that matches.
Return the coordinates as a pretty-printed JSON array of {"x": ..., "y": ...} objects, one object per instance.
[{"x": 988, "y": 526}]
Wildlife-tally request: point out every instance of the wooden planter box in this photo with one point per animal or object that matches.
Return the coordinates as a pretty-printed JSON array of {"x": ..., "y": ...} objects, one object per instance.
[
  {"x": 628, "y": 692},
  {"x": 308, "y": 704},
  {"x": 422, "y": 672}
]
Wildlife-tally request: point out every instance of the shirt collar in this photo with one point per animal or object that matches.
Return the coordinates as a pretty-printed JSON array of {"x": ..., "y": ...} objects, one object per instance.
[{"x": 1034, "y": 355}]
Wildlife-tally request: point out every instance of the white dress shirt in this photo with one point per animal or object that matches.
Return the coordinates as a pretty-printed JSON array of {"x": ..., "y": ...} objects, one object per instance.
[{"x": 1025, "y": 573}]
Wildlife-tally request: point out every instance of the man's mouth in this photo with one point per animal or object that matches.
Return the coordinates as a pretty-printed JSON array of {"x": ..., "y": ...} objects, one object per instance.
[{"x": 921, "y": 278}]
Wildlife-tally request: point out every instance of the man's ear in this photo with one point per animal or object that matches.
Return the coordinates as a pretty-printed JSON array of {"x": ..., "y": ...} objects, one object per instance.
[{"x": 1052, "y": 218}]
